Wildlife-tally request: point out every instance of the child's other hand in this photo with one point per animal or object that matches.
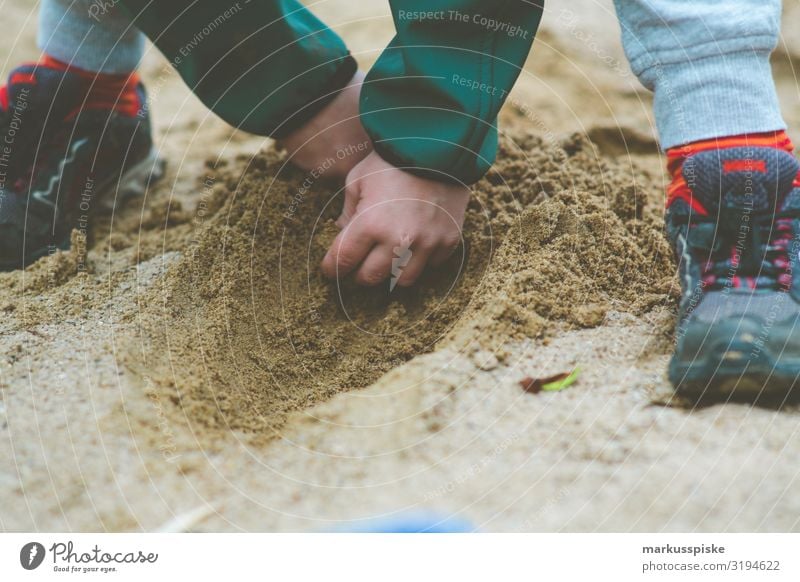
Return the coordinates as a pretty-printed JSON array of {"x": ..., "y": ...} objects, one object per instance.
[{"x": 391, "y": 214}]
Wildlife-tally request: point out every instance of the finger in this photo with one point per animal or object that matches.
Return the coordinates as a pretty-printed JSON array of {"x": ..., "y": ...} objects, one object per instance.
[
  {"x": 352, "y": 195},
  {"x": 349, "y": 248},
  {"x": 407, "y": 275},
  {"x": 376, "y": 268}
]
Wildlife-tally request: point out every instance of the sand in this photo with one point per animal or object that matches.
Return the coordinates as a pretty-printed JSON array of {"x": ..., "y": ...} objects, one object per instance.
[{"x": 201, "y": 375}]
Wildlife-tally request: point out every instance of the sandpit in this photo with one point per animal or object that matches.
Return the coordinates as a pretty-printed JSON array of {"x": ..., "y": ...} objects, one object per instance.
[{"x": 193, "y": 371}]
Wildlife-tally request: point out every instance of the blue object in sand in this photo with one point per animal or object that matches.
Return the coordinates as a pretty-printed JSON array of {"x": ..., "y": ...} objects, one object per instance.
[{"x": 415, "y": 523}]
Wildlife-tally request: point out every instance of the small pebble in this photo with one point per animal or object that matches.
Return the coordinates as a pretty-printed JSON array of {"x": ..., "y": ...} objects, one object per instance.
[{"x": 485, "y": 360}]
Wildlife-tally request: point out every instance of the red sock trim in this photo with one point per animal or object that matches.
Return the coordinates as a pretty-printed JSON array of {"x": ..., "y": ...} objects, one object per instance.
[
  {"x": 28, "y": 78},
  {"x": 679, "y": 189},
  {"x": 773, "y": 139},
  {"x": 103, "y": 91}
]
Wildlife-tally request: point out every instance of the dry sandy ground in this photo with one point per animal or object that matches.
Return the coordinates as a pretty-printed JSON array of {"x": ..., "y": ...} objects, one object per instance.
[{"x": 132, "y": 399}]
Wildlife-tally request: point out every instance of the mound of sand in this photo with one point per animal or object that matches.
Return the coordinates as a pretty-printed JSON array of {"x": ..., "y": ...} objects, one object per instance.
[{"x": 244, "y": 328}]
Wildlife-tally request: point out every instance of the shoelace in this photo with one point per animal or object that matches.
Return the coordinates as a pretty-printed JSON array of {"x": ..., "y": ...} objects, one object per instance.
[{"x": 757, "y": 258}]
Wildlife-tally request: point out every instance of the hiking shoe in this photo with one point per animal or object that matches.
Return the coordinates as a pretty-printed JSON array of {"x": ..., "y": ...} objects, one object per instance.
[
  {"x": 60, "y": 154},
  {"x": 735, "y": 229}
]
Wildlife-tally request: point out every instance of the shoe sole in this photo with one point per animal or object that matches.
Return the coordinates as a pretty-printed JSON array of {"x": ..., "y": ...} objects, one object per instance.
[
  {"x": 132, "y": 183},
  {"x": 737, "y": 370}
]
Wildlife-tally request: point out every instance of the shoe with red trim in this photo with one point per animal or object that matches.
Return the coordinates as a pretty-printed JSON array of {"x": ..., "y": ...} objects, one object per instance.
[
  {"x": 68, "y": 139},
  {"x": 733, "y": 218}
]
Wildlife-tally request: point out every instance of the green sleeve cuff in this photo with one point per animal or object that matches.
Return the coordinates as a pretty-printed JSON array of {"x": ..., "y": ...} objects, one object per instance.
[{"x": 431, "y": 101}]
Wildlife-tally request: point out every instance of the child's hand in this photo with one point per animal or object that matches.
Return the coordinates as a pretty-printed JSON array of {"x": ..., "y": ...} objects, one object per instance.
[{"x": 391, "y": 214}]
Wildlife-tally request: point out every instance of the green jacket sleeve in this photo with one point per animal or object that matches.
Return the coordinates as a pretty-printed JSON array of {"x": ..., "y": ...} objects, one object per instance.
[
  {"x": 264, "y": 66},
  {"x": 431, "y": 101}
]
